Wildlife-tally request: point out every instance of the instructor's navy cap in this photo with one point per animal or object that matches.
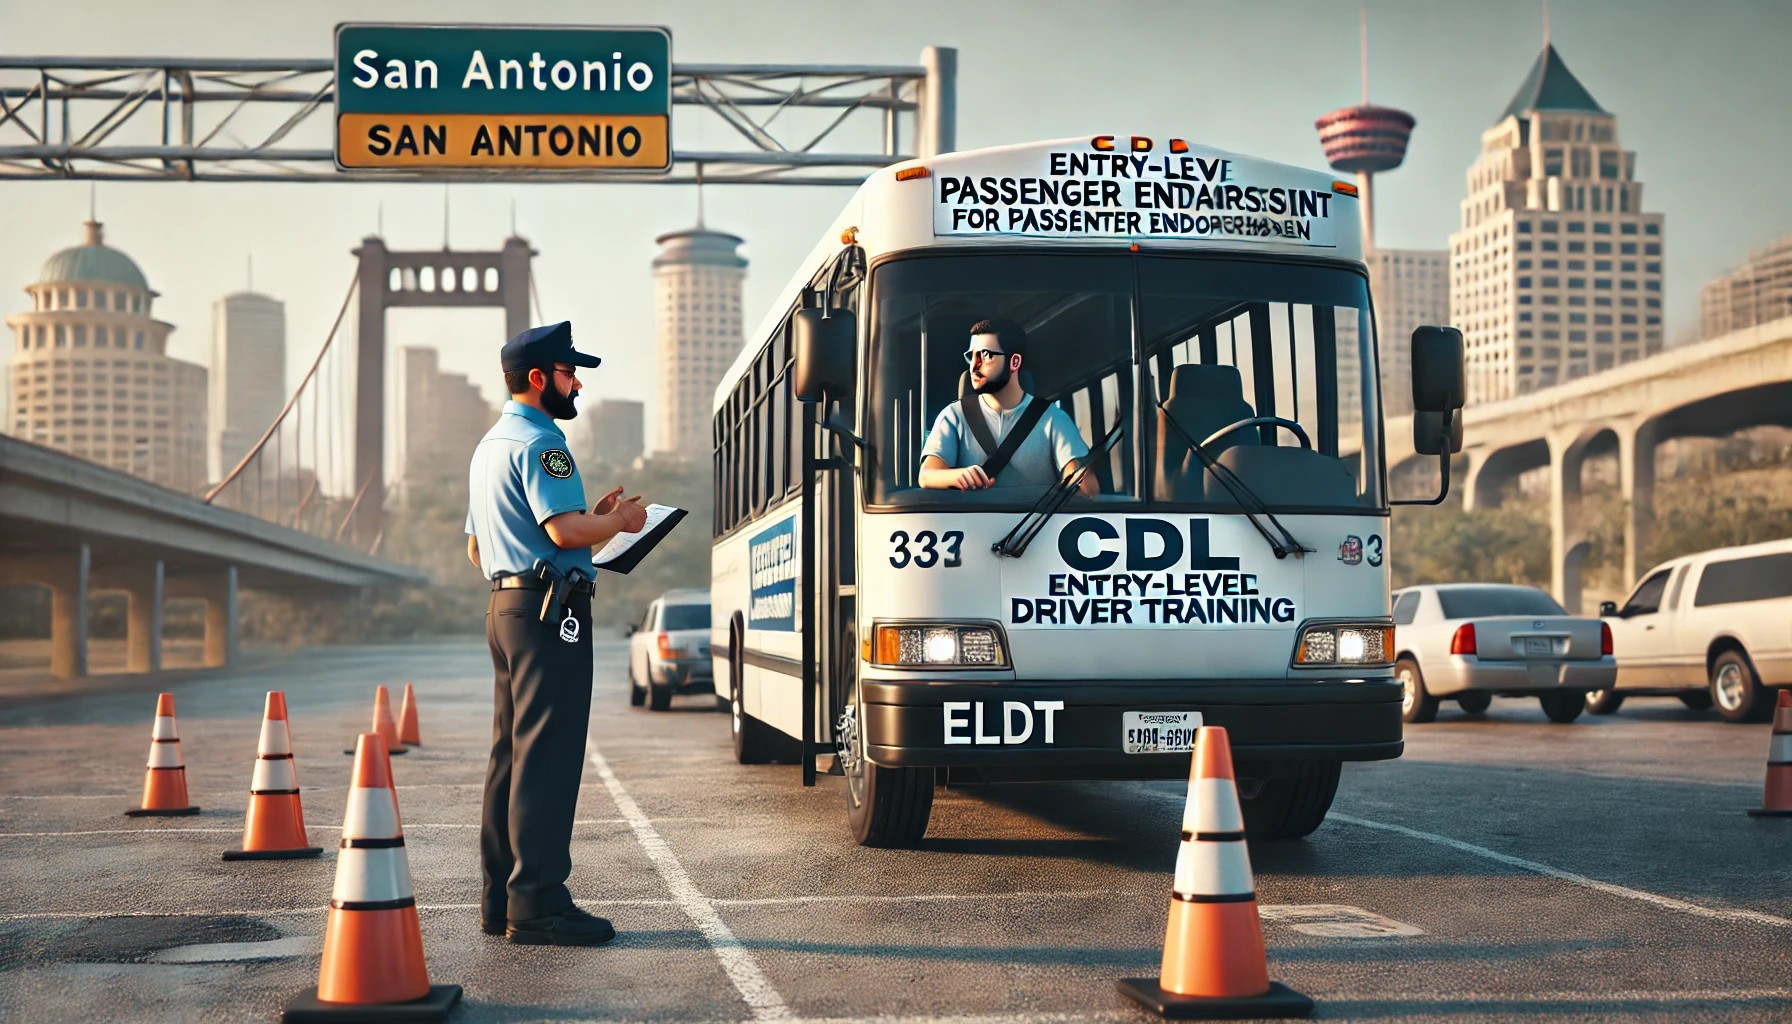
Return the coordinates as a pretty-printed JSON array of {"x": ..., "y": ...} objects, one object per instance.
[{"x": 543, "y": 347}]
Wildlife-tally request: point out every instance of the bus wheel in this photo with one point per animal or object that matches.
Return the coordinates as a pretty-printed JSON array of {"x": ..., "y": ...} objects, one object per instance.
[
  {"x": 886, "y": 807},
  {"x": 1291, "y": 806}
]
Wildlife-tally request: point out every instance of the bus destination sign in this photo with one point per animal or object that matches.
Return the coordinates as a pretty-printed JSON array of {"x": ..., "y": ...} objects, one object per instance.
[{"x": 459, "y": 97}]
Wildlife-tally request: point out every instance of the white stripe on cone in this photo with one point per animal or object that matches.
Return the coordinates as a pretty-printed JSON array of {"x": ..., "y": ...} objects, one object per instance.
[
  {"x": 371, "y": 814},
  {"x": 1212, "y": 807},
  {"x": 1780, "y": 748},
  {"x": 274, "y": 738},
  {"x": 164, "y": 755},
  {"x": 274, "y": 774},
  {"x": 164, "y": 729},
  {"x": 368, "y": 876},
  {"x": 1213, "y": 869}
]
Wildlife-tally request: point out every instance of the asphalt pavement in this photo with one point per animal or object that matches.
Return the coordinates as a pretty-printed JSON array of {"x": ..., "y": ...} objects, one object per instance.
[{"x": 1504, "y": 869}]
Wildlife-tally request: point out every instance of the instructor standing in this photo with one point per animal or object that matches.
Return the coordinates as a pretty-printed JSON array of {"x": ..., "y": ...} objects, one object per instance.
[{"x": 530, "y": 535}]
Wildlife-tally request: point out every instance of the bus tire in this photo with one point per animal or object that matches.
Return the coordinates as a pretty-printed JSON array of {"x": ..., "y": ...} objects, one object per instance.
[
  {"x": 754, "y": 741},
  {"x": 1291, "y": 806},
  {"x": 889, "y": 807}
]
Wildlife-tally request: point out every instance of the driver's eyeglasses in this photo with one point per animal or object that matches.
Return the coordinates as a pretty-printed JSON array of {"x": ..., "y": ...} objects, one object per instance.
[
  {"x": 569, "y": 373},
  {"x": 977, "y": 355}
]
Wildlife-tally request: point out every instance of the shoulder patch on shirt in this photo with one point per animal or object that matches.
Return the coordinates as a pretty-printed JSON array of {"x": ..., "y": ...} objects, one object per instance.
[{"x": 557, "y": 463}]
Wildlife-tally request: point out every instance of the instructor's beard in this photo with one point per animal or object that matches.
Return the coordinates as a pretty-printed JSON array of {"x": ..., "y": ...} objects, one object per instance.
[
  {"x": 559, "y": 405},
  {"x": 993, "y": 383}
]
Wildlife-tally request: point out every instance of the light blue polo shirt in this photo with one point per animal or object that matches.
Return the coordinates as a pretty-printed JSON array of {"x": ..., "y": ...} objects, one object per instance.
[
  {"x": 1039, "y": 459},
  {"x": 522, "y": 475}
]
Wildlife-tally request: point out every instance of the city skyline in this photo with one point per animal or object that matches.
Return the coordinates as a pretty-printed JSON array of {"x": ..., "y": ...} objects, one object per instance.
[{"x": 596, "y": 242}]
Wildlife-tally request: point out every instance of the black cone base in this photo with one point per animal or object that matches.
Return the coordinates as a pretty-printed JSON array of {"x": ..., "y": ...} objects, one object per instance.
[
  {"x": 306, "y": 1008},
  {"x": 140, "y": 812},
  {"x": 1279, "y": 1001},
  {"x": 1765, "y": 812},
  {"x": 298, "y": 854}
]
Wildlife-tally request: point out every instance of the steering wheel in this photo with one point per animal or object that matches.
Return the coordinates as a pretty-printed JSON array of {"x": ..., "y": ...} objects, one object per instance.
[{"x": 1261, "y": 421}]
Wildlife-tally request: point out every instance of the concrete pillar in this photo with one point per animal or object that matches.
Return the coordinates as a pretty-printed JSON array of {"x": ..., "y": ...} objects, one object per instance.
[
  {"x": 1636, "y": 478},
  {"x": 218, "y": 589},
  {"x": 143, "y": 630},
  {"x": 68, "y": 574},
  {"x": 1567, "y": 529},
  {"x": 513, "y": 285},
  {"x": 1469, "y": 484},
  {"x": 220, "y": 620},
  {"x": 370, "y": 391},
  {"x": 936, "y": 120}
]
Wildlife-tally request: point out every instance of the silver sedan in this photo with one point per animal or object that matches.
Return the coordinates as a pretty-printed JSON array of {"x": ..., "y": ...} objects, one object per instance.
[{"x": 1473, "y": 641}]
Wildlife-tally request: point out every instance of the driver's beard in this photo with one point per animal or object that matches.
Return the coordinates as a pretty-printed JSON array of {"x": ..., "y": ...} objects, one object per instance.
[
  {"x": 992, "y": 384},
  {"x": 560, "y": 406}
]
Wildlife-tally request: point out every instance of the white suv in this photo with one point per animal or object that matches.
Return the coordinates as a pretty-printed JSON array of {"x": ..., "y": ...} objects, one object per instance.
[
  {"x": 668, "y": 650},
  {"x": 1714, "y": 628}
]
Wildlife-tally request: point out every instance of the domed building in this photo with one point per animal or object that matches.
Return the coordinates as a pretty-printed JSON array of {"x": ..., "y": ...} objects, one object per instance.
[{"x": 91, "y": 376}]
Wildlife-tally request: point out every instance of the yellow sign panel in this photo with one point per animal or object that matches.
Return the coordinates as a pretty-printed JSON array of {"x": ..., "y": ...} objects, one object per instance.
[{"x": 549, "y": 141}]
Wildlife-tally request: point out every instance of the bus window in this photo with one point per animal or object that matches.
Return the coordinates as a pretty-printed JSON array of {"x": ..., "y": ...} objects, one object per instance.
[
  {"x": 1228, "y": 341},
  {"x": 1076, "y": 311}
]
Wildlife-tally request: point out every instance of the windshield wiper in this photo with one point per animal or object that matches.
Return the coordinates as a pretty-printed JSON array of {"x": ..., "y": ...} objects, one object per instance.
[
  {"x": 1015, "y": 543},
  {"x": 1247, "y": 499}
]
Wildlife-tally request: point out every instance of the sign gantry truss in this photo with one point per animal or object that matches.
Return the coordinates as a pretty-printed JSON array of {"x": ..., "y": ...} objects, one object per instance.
[{"x": 178, "y": 119}]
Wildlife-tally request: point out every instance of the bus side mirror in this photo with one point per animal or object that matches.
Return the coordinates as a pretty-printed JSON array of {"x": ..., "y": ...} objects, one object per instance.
[
  {"x": 1607, "y": 608},
  {"x": 1437, "y": 369},
  {"x": 824, "y": 340},
  {"x": 1429, "y": 436}
]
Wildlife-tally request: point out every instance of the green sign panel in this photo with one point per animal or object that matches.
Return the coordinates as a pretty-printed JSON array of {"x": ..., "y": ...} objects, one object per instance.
[{"x": 476, "y": 96}]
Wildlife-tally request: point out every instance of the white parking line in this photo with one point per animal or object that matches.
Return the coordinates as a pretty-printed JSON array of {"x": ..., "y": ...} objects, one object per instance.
[
  {"x": 737, "y": 962},
  {"x": 1609, "y": 888}
]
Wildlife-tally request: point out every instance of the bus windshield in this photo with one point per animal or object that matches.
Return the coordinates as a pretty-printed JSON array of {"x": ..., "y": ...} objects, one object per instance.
[{"x": 1180, "y": 350}]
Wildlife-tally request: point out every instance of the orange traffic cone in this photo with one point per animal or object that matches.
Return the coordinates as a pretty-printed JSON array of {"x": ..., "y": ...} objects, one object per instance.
[
  {"x": 407, "y": 720},
  {"x": 1776, "y": 796},
  {"x": 1213, "y": 962},
  {"x": 383, "y": 722},
  {"x": 275, "y": 826},
  {"x": 373, "y": 944},
  {"x": 165, "y": 782}
]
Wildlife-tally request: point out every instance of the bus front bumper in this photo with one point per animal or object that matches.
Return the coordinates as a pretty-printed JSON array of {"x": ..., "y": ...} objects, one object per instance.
[{"x": 1075, "y": 729}]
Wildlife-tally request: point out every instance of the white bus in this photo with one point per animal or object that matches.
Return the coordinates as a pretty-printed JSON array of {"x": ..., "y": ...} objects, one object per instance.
[{"x": 1204, "y": 320}]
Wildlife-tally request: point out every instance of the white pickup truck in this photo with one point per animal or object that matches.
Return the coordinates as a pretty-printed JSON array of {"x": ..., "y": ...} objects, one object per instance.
[{"x": 1712, "y": 628}]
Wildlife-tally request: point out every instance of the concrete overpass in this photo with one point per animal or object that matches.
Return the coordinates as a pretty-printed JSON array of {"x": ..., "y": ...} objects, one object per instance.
[
  {"x": 79, "y": 528},
  {"x": 1709, "y": 389}
]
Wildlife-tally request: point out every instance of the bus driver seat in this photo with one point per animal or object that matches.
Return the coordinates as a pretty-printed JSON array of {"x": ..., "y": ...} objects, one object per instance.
[{"x": 1203, "y": 398}]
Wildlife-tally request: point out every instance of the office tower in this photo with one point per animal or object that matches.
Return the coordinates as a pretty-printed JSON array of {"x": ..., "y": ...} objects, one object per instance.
[
  {"x": 1555, "y": 272},
  {"x": 697, "y": 283},
  {"x": 1755, "y": 293},
  {"x": 441, "y": 417},
  {"x": 248, "y": 374},
  {"x": 1411, "y": 289},
  {"x": 91, "y": 375},
  {"x": 615, "y": 430}
]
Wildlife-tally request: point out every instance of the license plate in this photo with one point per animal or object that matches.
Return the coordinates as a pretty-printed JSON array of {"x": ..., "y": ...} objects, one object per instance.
[
  {"x": 1159, "y": 732},
  {"x": 1538, "y": 645}
]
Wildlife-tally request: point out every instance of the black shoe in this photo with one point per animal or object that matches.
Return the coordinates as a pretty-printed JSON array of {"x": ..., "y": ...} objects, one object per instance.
[
  {"x": 491, "y": 927},
  {"x": 570, "y": 927}
]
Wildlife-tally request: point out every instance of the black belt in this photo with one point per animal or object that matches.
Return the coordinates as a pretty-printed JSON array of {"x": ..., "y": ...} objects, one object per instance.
[{"x": 586, "y": 587}]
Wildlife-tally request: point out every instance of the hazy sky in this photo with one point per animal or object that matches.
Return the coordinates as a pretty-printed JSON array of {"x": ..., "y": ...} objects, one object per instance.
[{"x": 1699, "y": 89}]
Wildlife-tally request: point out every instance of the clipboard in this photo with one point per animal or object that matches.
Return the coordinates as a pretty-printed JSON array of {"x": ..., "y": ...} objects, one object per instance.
[{"x": 625, "y": 550}]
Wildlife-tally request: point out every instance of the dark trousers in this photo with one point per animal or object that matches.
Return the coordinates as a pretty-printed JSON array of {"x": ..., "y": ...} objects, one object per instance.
[{"x": 541, "y": 709}]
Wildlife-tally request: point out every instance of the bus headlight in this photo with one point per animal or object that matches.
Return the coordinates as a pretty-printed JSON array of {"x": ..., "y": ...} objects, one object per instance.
[
  {"x": 1345, "y": 644},
  {"x": 941, "y": 644}
]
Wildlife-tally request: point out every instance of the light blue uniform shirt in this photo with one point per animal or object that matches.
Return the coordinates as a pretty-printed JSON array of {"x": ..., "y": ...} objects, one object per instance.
[
  {"x": 522, "y": 476},
  {"x": 1039, "y": 459}
]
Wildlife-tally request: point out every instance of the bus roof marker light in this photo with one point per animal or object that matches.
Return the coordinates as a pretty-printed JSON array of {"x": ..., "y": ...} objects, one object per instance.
[
  {"x": 1102, "y": 142},
  {"x": 1344, "y": 188},
  {"x": 1178, "y": 146},
  {"x": 911, "y": 173},
  {"x": 1141, "y": 144},
  {"x": 849, "y": 237}
]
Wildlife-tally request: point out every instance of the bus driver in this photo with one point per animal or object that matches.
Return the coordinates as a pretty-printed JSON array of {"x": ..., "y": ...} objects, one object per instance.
[{"x": 955, "y": 456}]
